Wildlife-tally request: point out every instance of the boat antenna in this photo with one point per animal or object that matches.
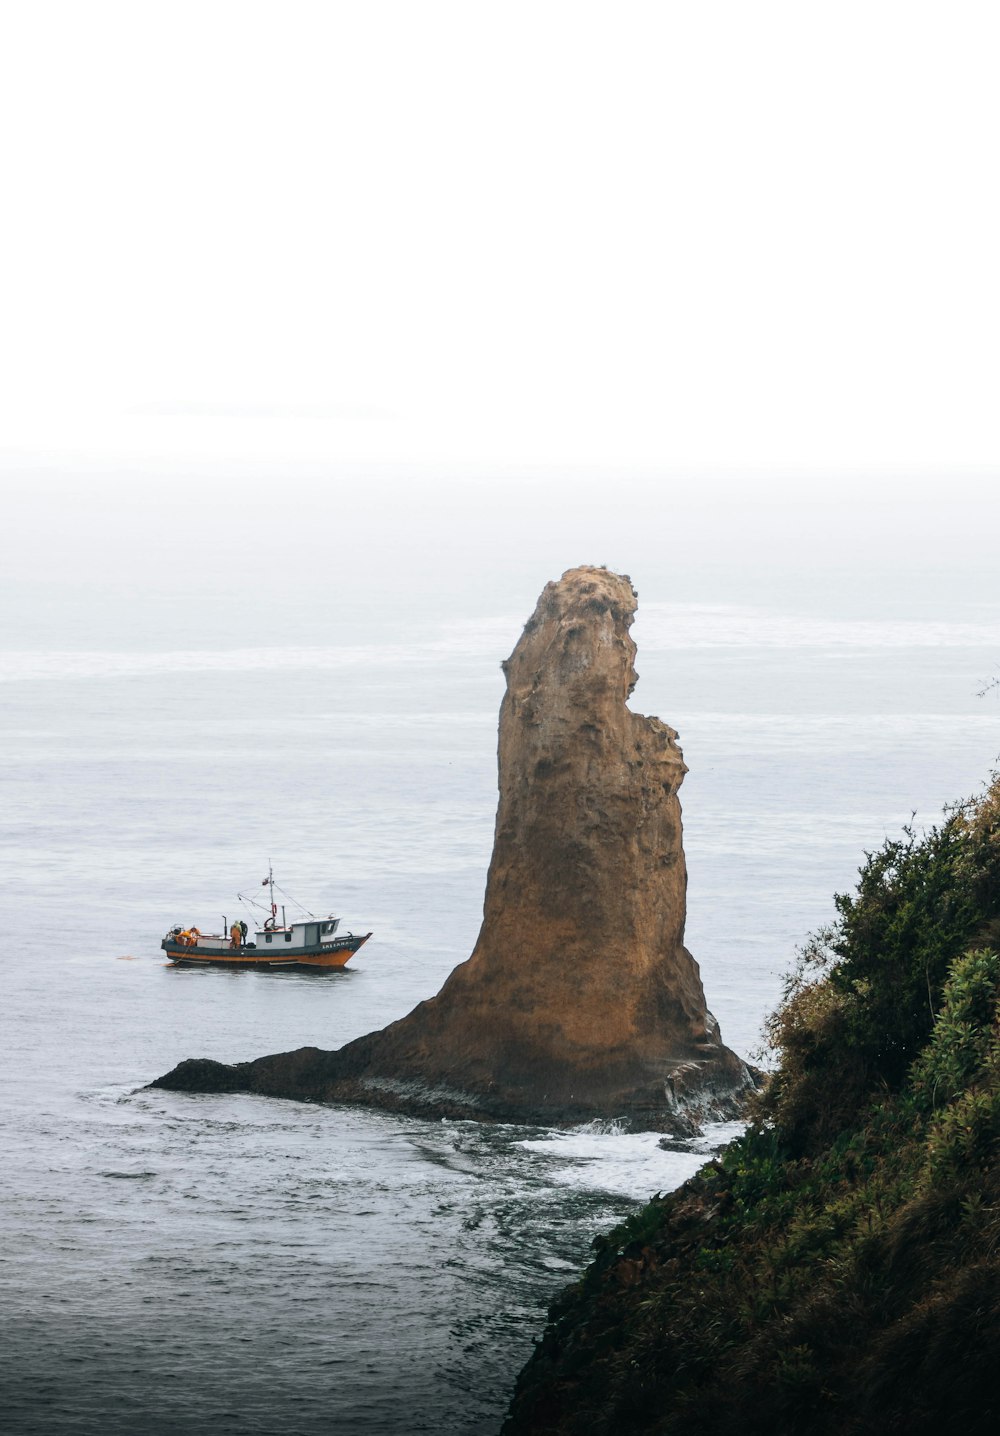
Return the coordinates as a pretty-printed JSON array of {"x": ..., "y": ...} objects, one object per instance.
[{"x": 269, "y": 882}]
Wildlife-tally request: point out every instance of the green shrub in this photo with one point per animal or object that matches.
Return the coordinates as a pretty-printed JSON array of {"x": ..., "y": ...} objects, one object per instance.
[
  {"x": 964, "y": 1034},
  {"x": 866, "y": 993}
]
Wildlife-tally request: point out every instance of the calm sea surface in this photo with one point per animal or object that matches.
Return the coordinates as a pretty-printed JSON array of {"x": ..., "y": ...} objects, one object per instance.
[{"x": 177, "y": 1264}]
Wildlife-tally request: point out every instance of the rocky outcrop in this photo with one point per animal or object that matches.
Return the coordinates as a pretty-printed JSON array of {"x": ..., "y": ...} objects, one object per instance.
[{"x": 580, "y": 999}]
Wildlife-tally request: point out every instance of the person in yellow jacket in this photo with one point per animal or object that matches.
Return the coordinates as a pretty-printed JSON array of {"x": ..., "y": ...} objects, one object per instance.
[{"x": 235, "y": 935}]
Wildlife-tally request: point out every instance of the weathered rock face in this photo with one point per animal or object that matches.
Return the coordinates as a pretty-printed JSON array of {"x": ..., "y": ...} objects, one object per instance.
[{"x": 580, "y": 999}]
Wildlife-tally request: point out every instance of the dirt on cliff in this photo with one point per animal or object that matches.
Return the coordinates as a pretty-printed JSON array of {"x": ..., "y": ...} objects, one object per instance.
[{"x": 580, "y": 999}]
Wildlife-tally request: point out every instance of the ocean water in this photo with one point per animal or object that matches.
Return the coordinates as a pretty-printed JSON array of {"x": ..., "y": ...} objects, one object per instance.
[{"x": 171, "y": 1263}]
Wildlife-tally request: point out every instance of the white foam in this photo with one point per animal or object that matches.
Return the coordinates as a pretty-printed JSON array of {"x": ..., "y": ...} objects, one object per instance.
[
  {"x": 602, "y": 1156},
  {"x": 100, "y": 663},
  {"x": 663, "y": 626},
  {"x": 659, "y": 627}
]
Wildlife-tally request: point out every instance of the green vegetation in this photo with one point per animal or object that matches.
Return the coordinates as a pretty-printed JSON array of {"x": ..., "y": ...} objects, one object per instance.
[{"x": 838, "y": 1270}]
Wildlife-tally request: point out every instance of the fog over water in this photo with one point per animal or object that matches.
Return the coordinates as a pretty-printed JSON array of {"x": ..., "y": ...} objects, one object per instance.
[{"x": 331, "y": 333}]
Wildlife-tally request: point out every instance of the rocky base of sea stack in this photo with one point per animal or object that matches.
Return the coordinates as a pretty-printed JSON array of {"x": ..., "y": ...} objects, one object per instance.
[{"x": 311, "y": 1074}]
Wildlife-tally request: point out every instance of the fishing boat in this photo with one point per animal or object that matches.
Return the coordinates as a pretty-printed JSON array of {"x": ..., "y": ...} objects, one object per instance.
[{"x": 305, "y": 942}]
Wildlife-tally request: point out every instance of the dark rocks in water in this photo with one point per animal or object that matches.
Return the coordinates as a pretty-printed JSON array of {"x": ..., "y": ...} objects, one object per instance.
[{"x": 580, "y": 999}]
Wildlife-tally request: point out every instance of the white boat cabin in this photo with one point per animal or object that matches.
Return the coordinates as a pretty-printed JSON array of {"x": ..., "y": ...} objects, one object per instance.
[{"x": 314, "y": 932}]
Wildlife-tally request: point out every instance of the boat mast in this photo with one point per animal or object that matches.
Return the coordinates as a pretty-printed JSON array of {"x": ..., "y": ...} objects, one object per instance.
[{"x": 270, "y": 879}]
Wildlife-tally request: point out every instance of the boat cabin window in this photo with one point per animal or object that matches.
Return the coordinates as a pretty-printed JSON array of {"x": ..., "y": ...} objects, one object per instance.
[
  {"x": 288, "y": 937},
  {"x": 267, "y": 937},
  {"x": 329, "y": 928}
]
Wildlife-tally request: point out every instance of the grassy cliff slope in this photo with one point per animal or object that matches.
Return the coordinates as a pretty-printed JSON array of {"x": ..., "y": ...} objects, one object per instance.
[{"x": 838, "y": 1270}]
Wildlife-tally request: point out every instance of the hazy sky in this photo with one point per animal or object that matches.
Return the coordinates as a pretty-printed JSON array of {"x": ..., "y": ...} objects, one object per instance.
[{"x": 762, "y": 236}]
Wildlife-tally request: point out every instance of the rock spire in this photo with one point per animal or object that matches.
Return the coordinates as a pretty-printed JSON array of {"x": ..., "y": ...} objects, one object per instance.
[{"x": 580, "y": 999}]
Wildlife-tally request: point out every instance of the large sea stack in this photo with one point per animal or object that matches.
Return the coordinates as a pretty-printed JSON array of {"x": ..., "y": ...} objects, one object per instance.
[{"x": 580, "y": 999}]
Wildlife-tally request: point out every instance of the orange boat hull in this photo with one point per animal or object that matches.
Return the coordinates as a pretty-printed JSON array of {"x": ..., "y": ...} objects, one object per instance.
[{"x": 333, "y": 955}]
